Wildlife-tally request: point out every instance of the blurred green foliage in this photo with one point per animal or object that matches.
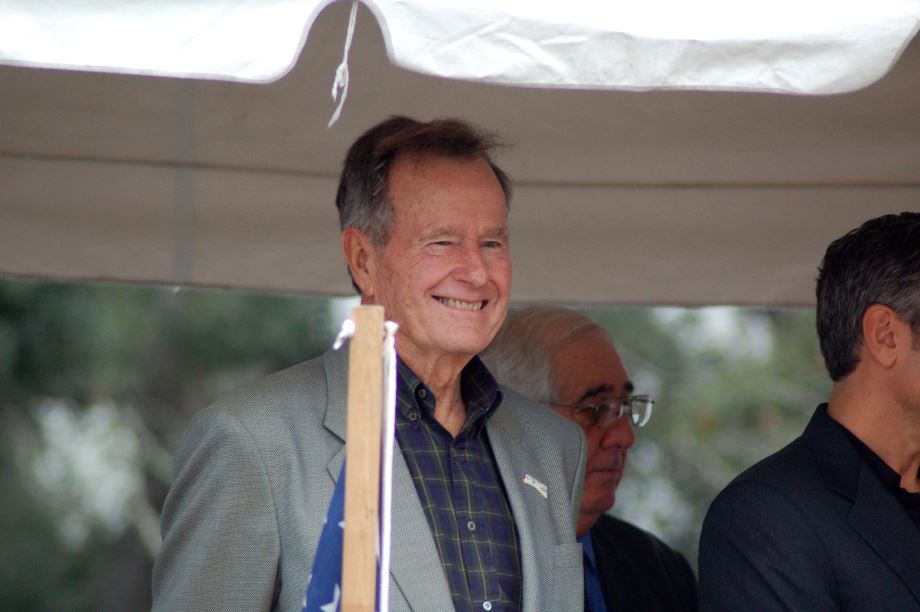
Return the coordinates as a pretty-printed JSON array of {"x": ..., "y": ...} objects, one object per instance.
[
  {"x": 724, "y": 401},
  {"x": 157, "y": 355}
]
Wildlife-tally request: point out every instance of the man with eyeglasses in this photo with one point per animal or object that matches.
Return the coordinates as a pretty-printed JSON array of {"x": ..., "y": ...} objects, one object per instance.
[{"x": 561, "y": 358}]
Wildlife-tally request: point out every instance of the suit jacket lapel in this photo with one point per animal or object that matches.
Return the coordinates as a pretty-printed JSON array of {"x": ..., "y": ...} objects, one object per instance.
[
  {"x": 884, "y": 524},
  {"x": 530, "y": 509},
  {"x": 875, "y": 514},
  {"x": 413, "y": 552},
  {"x": 415, "y": 564},
  {"x": 336, "y": 365}
]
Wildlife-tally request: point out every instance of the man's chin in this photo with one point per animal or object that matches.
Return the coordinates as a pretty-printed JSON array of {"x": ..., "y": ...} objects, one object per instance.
[
  {"x": 598, "y": 504},
  {"x": 603, "y": 479},
  {"x": 470, "y": 344}
]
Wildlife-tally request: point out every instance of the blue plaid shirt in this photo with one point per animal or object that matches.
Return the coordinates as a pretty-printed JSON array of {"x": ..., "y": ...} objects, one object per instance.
[{"x": 461, "y": 490}]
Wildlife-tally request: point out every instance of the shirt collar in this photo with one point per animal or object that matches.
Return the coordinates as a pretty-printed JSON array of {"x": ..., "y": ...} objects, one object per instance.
[
  {"x": 585, "y": 540},
  {"x": 478, "y": 388},
  {"x": 890, "y": 478}
]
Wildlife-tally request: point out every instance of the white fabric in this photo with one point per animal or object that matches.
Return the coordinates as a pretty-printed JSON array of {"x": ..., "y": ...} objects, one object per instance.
[
  {"x": 803, "y": 46},
  {"x": 658, "y": 197}
]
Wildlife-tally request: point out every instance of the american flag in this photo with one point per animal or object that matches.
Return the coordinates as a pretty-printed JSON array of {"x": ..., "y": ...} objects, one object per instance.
[{"x": 324, "y": 589}]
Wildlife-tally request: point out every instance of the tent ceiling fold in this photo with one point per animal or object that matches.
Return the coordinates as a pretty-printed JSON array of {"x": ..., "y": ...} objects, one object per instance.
[{"x": 666, "y": 196}]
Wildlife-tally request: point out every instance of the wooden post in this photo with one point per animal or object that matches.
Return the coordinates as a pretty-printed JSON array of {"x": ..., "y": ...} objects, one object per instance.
[{"x": 362, "y": 460}]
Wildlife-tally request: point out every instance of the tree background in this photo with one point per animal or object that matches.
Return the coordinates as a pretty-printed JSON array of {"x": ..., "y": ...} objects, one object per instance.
[{"x": 97, "y": 384}]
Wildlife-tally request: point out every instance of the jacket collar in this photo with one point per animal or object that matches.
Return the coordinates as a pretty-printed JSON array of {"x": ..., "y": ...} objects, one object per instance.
[{"x": 875, "y": 513}]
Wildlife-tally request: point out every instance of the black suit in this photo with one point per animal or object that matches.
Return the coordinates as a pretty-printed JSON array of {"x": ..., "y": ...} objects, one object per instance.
[
  {"x": 810, "y": 528},
  {"x": 639, "y": 572}
]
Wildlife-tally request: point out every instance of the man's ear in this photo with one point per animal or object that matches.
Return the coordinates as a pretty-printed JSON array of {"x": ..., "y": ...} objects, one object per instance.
[
  {"x": 361, "y": 258},
  {"x": 882, "y": 334}
]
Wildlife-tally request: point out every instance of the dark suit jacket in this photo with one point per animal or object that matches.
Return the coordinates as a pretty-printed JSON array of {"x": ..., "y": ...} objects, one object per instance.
[
  {"x": 810, "y": 528},
  {"x": 640, "y": 572}
]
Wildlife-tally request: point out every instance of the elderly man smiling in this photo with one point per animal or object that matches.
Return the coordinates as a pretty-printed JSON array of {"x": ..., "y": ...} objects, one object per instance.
[{"x": 486, "y": 485}]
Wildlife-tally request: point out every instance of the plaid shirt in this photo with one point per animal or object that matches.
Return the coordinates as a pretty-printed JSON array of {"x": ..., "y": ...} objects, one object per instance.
[{"x": 461, "y": 490}]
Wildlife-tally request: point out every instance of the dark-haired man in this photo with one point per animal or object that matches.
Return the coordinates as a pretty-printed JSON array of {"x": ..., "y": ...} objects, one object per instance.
[
  {"x": 832, "y": 521},
  {"x": 484, "y": 497},
  {"x": 559, "y": 357}
]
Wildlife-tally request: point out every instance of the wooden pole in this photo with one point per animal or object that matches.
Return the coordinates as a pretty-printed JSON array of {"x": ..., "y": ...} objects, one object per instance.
[{"x": 362, "y": 460}]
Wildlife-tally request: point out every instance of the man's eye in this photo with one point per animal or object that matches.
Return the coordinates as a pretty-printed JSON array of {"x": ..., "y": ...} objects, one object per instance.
[
  {"x": 441, "y": 243},
  {"x": 492, "y": 244},
  {"x": 584, "y": 416}
]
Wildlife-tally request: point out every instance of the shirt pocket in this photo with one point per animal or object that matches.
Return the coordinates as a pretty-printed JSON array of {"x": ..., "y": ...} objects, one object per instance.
[{"x": 568, "y": 577}]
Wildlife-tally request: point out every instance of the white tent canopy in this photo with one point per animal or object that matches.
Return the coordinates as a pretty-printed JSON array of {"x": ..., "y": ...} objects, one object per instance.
[
  {"x": 815, "y": 46},
  {"x": 662, "y": 196}
]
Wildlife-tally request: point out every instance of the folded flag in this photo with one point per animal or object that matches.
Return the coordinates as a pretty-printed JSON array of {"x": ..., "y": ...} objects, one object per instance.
[{"x": 324, "y": 589}]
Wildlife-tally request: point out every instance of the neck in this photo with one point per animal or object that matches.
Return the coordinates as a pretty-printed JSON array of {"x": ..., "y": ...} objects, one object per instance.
[
  {"x": 890, "y": 430},
  {"x": 586, "y": 521},
  {"x": 442, "y": 377}
]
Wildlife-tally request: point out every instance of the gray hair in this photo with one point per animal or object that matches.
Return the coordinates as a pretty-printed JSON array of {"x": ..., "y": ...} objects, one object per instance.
[
  {"x": 521, "y": 354},
  {"x": 362, "y": 193},
  {"x": 876, "y": 263}
]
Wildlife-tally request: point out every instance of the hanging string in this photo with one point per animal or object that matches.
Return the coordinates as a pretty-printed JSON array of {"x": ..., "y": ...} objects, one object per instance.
[
  {"x": 341, "y": 73},
  {"x": 386, "y": 461}
]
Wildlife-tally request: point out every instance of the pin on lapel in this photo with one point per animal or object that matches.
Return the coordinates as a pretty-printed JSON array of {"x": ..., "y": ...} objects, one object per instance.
[{"x": 536, "y": 484}]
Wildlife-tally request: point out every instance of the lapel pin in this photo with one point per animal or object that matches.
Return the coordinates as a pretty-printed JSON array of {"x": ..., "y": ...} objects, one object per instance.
[{"x": 536, "y": 484}]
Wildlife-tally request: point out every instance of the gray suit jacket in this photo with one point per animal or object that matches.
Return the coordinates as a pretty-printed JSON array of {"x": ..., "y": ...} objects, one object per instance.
[
  {"x": 255, "y": 473},
  {"x": 810, "y": 528}
]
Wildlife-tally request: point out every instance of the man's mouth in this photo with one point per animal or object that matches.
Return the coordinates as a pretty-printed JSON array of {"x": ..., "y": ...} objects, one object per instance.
[
  {"x": 462, "y": 305},
  {"x": 614, "y": 463}
]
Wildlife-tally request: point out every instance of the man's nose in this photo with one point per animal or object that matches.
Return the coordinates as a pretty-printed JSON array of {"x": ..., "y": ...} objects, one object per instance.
[
  {"x": 473, "y": 266},
  {"x": 621, "y": 434}
]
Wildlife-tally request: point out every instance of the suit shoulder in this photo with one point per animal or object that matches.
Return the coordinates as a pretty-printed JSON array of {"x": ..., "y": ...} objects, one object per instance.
[
  {"x": 539, "y": 414},
  {"x": 784, "y": 491},
  {"x": 792, "y": 466},
  {"x": 294, "y": 379},
  {"x": 270, "y": 410},
  {"x": 640, "y": 544},
  {"x": 649, "y": 574},
  {"x": 279, "y": 391},
  {"x": 614, "y": 528},
  {"x": 542, "y": 421}
]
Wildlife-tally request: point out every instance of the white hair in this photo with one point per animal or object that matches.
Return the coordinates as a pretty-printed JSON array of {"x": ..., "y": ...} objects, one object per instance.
[{"x": 521, "y": 354}]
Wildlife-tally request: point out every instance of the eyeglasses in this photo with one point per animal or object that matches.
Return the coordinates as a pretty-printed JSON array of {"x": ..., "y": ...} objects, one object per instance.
[{"x": 607, "y": 413}]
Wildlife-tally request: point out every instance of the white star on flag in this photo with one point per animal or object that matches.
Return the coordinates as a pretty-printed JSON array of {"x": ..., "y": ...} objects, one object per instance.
[{"x": 333, "y": 605}]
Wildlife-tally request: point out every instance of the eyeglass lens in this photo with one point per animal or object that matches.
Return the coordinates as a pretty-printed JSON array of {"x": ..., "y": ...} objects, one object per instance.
[{"x": 639, "y": 409}]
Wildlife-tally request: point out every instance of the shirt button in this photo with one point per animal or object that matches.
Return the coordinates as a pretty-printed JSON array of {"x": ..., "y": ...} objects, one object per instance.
[
  {"x": 487, "y": 605},
  {"x": 472, "y": 527},
  {"x": 413, "y": 415},
  {"x": 422, "y": 392}
]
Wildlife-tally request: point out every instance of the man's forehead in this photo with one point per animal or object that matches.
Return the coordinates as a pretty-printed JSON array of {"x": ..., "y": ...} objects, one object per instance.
[
  {"x": 498, "y": 232},
  {"x": 608, "y": 388},
  {"x": 590, "y": 366},
  {"x": 411, "y": 168},
  {"x": 441, "y": 196}
]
